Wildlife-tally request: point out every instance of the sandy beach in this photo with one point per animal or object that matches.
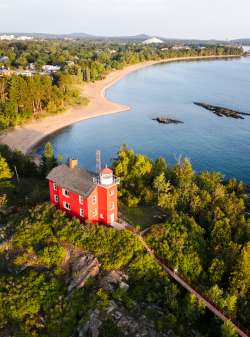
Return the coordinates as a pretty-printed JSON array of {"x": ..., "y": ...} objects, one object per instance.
[{"x": 25, "y": 137}]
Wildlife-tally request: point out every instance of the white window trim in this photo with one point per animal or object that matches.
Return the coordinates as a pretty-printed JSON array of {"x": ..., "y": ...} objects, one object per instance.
[
  {"x": 82, "y": 212},
  {"x": 81, "y": 199},
  {"x": 66, "y": 207},
  {"x": 64, "y": 193},
  {"x": 55, "y": 186},
  {"x": 112, "y": 205},
  {"x": 56, "y": 198},
  {"x": 94, "y": 212},
  {"x": 112, "y": 217},
  {"x": 112, "y": 193},
  {"x": 94, "y": 200}
]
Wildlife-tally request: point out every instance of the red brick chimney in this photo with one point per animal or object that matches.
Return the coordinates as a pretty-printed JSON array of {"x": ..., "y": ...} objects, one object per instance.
[{"x": 73, "y": 163}]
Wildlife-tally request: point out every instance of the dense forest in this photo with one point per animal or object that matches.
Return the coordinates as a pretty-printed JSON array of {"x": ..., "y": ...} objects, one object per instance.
[
  {"x": 207, "y": 232},
  {"x": 198, "y": 223},
  {"x": 23, "y": 98}
]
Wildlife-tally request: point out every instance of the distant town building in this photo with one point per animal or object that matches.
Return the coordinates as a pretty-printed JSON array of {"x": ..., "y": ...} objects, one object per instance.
[
  {"x": 24, "y": 38},
  {"x": 5, "y": 72},
  {"x": 26, "y": 73},
  {"x": 4, "y": 59},
  {"x": 7, "y": 37},
  {"x": 32, "y": 66},
  {"x": 153, "y": 40},
  {"x": 181, "y": 48},
  {"x": 48, "y": 68},
  {"x": 13, "y": 37},
  {"x": 83, "y": 194},
  {"x": 70, "y": 63}
]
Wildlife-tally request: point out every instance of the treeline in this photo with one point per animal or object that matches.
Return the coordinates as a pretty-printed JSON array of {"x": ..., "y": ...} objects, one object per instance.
[
  {"x": 23, "y": 98},
  {"x": 93, "y": 61}
]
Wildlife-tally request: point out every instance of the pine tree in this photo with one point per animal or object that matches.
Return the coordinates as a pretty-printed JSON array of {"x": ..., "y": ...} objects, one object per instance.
[
  {"x": 5, "y": 172},
  {"x": 48, "y": 151},
  {"x": 48, "y": 161}
]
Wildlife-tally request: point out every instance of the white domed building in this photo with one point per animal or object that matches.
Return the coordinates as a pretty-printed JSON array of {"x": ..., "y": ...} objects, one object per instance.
[{"x": 153, "y": 40}]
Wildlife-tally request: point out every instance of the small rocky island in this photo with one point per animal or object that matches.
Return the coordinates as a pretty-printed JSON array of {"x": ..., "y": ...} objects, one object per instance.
[
  {"x": 166, "y": 120},
  {"x": 222, "y": 112}
]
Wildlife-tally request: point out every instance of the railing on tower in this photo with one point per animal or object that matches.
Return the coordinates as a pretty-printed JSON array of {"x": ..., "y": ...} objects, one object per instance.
[{"x": 116, "y": 181}]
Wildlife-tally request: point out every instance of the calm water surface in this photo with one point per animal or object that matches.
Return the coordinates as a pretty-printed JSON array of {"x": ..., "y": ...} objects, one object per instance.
[{"x": 211, "y": 142}]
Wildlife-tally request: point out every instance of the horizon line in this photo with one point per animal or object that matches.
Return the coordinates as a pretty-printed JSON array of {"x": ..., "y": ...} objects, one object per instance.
[{"x": 124, "y": 36}]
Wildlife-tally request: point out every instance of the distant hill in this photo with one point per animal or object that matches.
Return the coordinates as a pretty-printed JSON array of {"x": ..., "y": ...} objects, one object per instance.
[
  {"x": 241, "y": 42},
  {"x": 131, "y": 38},
  {"x": 97, "y": 37}
]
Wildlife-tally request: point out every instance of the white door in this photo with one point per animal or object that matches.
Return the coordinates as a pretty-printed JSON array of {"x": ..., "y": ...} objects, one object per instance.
[{"x": 112, "y": 218}]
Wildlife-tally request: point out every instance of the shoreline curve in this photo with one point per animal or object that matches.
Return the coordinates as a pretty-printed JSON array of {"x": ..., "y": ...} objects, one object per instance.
[{"x": 28, "y": 136}]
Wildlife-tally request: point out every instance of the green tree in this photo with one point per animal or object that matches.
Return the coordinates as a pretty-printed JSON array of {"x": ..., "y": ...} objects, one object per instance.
[
  {"x": 227, "y": 330},
  {"x": 163, "y": 188},
  {"x": 216, "y": 270},
  {"x": 5, "y": 172},
  {"x": 48, "y": 161},
  {"x": 240, "y": 279},
  {"x": 48, "y": 151}
]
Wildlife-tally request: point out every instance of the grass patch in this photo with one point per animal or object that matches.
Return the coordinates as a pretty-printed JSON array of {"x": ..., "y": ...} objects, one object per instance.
[{"x": 144, "y": 216}]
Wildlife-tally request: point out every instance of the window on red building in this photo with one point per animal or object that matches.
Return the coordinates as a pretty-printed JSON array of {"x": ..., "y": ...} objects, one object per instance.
[
  {"x": 82, "y": 212},
  {"x": 111, "y": 193},
  {"x": 81, "y": 199},
  {"x": 56, "y": 198},
  {"x": 65, "y": 192},
  {"x": 94, "y": 212},
  {"x": 55, "y": 186},
  {"x": 94, "y": 200},
  {"x": 66, "y": 205}
]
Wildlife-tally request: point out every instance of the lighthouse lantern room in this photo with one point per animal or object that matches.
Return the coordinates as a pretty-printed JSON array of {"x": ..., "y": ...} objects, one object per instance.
[{"x": 106, "y": 177}]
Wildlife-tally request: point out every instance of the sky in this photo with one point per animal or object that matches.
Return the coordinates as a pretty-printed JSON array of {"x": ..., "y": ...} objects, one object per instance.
[{"x": 200, "y": 19}]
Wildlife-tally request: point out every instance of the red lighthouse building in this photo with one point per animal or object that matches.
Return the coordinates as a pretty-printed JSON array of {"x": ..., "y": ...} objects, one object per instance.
[{"x": 84, "y": 194}]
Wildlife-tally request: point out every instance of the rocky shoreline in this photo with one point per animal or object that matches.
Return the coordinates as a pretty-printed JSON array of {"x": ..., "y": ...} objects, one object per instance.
[
  {"x": 166, "y": 120},
  {"x": 221, "y": 111}
]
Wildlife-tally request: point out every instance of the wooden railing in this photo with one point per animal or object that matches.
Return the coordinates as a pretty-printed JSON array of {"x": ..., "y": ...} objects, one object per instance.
[{"x": 185, "y": 284}]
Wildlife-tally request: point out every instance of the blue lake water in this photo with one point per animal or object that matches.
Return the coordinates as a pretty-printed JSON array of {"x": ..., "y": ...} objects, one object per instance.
[{"x": 211, "y": 142}]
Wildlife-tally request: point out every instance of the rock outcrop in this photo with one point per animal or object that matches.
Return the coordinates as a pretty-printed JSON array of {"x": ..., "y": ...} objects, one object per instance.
[
  {"x": 166, "y": 120},
  {"x": 222, "y": 112},
  {"x": 114, "y": 279},
  {"x": 82, "y": 267}
]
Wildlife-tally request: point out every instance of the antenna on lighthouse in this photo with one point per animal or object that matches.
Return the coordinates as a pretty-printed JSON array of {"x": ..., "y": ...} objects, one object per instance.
[{"x": 98, "y": 161}]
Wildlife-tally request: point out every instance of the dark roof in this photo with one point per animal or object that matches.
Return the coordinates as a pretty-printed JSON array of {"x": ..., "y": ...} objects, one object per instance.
[{"x": 76, "y": 180}]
